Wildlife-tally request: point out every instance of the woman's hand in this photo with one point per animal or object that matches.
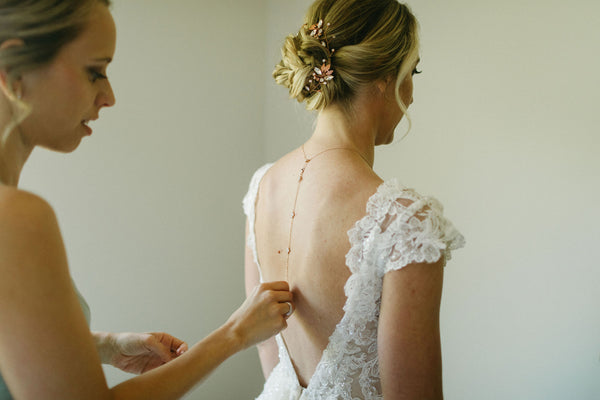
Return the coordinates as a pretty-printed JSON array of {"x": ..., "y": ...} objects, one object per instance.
[
  {"x": 138, "y": 352},
  {"x": 263, "y": 314}
]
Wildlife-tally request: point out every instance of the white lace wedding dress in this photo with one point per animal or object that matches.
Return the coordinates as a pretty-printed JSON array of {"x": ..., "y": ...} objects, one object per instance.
[{"x": 389, "y": 237}]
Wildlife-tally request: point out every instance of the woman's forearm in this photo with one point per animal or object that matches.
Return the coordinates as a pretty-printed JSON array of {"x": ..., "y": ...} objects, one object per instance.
[
  {"x": 175, "y": 379},
  {"x": 261, "y": 316}
]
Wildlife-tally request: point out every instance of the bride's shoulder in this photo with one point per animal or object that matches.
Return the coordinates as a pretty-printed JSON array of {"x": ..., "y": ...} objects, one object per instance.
[
  {"x": 394, "y": 198},
  {"x": 394, "y": 190},
  {"x": 272, "y": 170}
]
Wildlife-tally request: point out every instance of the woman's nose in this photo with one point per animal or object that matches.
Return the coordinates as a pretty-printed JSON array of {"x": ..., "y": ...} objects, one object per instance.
[{"x": 106, "y": 97}]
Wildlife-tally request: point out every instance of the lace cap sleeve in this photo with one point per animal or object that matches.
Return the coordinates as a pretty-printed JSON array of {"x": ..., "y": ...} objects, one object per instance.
[{"x": 413, "y": 228}]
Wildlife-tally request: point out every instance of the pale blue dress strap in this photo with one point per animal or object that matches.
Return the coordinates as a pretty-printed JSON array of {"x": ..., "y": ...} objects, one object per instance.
[
  {"x": 84, "y": 305},
  {"x": 4, "y": 393}
]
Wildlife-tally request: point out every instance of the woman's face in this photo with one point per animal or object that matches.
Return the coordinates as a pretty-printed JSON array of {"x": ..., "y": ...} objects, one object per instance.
[{"x": 70, "y": 91}]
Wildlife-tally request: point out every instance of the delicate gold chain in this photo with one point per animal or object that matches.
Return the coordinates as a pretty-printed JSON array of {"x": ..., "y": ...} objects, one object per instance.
[{"x": 293, "y": 214}]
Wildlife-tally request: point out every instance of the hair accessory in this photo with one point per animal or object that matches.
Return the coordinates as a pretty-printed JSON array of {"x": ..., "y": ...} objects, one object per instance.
[{"x": 320, "y": 75}]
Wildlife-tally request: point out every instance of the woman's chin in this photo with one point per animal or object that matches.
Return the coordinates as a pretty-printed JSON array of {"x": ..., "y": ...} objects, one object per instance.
[{"x": 63, "y": 147}]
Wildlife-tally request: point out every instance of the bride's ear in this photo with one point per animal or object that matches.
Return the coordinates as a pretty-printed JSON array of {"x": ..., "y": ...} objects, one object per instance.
[
  {"x": 383, "y": 84},
  {"x": 15, "y": 91},
  {"x": 385, "y": 88}
]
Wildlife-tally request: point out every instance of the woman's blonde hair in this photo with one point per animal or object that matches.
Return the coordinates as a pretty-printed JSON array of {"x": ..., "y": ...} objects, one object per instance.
[
  {"x": 43, "y": 27},
  {"x": 371, "y": 39}
]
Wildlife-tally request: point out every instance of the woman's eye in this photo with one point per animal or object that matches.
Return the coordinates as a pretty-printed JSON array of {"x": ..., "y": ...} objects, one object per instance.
[
  {"x": 95, "y": 75},
  {"x": 415, "y": 71}
]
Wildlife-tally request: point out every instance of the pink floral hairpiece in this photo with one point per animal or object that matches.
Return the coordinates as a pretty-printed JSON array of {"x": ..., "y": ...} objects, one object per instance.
[{"x": 320, "y": 75}]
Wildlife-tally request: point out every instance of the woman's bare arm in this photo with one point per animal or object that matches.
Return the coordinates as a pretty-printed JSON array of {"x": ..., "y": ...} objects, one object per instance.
[
  {"x": 46, "y": 348},
  {"x": 409, "y": 335}
]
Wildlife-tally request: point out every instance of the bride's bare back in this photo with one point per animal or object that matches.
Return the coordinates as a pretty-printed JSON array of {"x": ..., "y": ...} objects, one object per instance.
[{"x": 332, "y": 197}]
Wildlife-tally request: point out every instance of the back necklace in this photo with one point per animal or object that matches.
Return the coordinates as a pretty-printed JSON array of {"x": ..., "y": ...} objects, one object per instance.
[{"x": 300, "y": 178}]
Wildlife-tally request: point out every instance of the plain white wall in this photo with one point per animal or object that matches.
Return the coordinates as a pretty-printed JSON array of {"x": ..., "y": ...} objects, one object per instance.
[{"x": 504, "y": 134}]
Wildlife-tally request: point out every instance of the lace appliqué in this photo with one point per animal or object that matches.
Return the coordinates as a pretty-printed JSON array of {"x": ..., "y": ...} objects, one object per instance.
[
  {"x": 401, "y": 227},
  {"x": 407, "y": 228}
]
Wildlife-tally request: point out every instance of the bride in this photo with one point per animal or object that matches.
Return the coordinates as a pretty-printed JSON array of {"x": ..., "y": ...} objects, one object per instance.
[{"x": 364, "y": 257}]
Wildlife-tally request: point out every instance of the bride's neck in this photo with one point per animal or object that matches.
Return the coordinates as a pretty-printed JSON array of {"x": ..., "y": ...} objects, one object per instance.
[{"x": 336, "y": 127}]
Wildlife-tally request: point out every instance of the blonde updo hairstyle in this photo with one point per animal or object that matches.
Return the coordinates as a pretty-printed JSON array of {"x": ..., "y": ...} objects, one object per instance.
[
  {"x": 43, "y": 27},
  {"x": 372, "y": 39}
]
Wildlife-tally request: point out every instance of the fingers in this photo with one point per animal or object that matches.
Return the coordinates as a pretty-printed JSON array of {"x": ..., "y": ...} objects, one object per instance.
[
  {"x": 177, "y": 345},
  {"x": 286, "y": 309},
  {"x": 280, "y": 296},
  {"x": 278, "y": 292},
  {"x": 281, "y": 300},
  {"x": 155, "y": 343},
  {"x": 264, "y": 312},
  {"x": 275, "y": 285},
  {"x": 275, "y": 291},
  {"x": 183, "y": 347}
]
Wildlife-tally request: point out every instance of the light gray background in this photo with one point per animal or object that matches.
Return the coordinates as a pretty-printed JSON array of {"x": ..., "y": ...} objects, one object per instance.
[{"x": 505, "y": 134}]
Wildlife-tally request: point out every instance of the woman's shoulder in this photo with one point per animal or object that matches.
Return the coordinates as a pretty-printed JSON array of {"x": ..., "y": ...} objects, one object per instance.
[
  {"x": 258, "y": 175},
  {"x": 30, "y": 239},
  {"x": 395, "y": 209},
  {"x": 412, "y": 226},
  {"x": 394, "y": 198},
  {"x": 15, "y": 199},
  {"x": 23, "y": 213},
  {"x": 261, "y": 177}
]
